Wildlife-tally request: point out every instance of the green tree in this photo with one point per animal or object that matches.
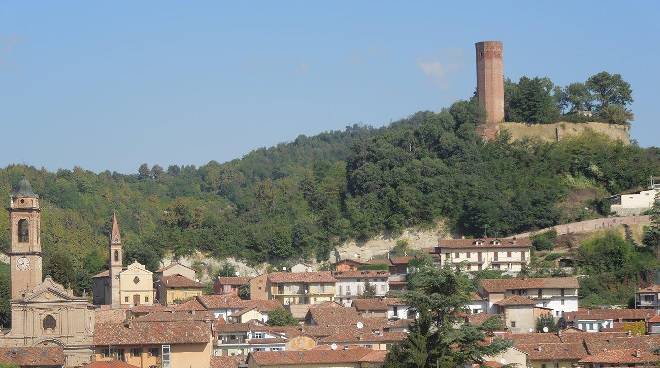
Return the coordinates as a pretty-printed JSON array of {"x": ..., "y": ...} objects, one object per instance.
[
  {"x": 281, "y": 317},
  {"x": 532, "y": 101},
  {"x": 369, "y": 290},
  {"x": 609, "y": 89},
  {"x": 5, "y": 296},
  {"x": 548, "y": 321},
  {"x": 652, "y": 233},
  {"x": 440, "y": 337},
  {"x": 577, "y": 98}
]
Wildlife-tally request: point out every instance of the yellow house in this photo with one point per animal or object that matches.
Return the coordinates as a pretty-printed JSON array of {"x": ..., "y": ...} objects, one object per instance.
[
  {"x": 302, "y": 287},
  {"x": 146, "y": 344},
  {"x": 177, "y": 288},
  {"x": 136, "y": 285}
]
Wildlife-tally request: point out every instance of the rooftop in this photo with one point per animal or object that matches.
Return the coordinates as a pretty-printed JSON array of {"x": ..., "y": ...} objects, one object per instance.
[
  {"x": 234, "y": 280},
  {"x": 515, "y": 300},
  {"x": 370, "y": 274},
  {"x": 32, "y": 356},
  {"x": 278, "y": 358},
  {"x": 502, "y": 285},
  {"x": 180, "y": 282},
  {"x": 484, "y": 243},
  {"x": 614, "y": 314},
  {"x": 143, "y": 333},
  {"x": 302, "y": 277}
]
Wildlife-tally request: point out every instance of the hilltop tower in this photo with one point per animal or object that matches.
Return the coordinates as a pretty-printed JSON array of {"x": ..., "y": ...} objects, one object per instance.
[
  {"x": 490, "y": 86},
  {"x": 116, "y": 261},
  {"x": 25, "y": 252}
]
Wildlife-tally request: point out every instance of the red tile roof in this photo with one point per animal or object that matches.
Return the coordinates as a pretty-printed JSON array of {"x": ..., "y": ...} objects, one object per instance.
[
  {"x": 32, "y": 356},
  {"x": 142, "y": 333},
  {"x": 190, "y": 305},
  {"x": 404, "y": 260},
  {"x": 655, "y": 288},
  {"x": 623, "y": 356},
  {"x": 615, "y": 314},
  {"x": 553, "y": 351},
  {"x": 277, "y": 358},
  {"x": 515, "y": 300},
  {"x": 478, "y": 319},
  {"x": 655, "y": 319},
  {"x": 227, "y": 361},
  {"x": 369, "y": 305},
  {"x": 109, "y": 364},
  {"x": 303, "y": 277},
  {"x": 220, "y": 301},
  {"x": 367, "y": 274},
  {"x": 180, "y": 282},
  {"x": 234, "y": 280},
  {"x": 486, "y": 243},
  {"x": 167, "y": 316},
  {"x": 502, "y": 285},
  {"x": 149, "y": 308}
]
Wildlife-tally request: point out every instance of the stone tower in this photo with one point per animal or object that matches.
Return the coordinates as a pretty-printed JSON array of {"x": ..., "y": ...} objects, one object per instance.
[
  {"x": 490, "y": 86},
  {"x": 25, "y": 253},
  {"x": 116, "y": 261}
]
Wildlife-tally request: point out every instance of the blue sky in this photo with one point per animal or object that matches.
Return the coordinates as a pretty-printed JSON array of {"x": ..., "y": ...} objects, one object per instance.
[{"x": 110, "y": 85}]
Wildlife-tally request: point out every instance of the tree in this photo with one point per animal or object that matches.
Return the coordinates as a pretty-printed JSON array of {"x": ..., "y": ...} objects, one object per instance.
[
  {"x": 440, "y": 337},
  {"x": 609, "y": 89},
  {"x": 532, "y": 101},
  {"x": 652, "y": 234},
  {"x": 548, "y": 321},
  {"x": 5, "y": 296},
  {"x": 577, "y": 98},
  {"x": 615, "y": 114},
  {"x": 281, "y": 317},
  {"x": 227, "y": 270},
  {"x": 369, "y": 290},
  {"x": 143, "y": 172}
]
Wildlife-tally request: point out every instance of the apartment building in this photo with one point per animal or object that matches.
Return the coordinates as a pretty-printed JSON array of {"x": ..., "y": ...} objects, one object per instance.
[
  {"x": 559, "y": 294},
  {"x": 243, "y": 338},
  {"x": 351, "y": 284},
  {"x": 301, "y": 287},
  {"x": 648, "y": 298},
  {"x": 508, "y": 255}
]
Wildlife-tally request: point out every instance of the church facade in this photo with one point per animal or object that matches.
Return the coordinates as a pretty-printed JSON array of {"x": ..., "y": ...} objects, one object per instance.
[{"x": 44, "y": 313}]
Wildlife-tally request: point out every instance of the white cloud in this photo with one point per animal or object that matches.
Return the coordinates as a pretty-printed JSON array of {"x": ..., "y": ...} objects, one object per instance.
[{"x": 440, "y": 69}]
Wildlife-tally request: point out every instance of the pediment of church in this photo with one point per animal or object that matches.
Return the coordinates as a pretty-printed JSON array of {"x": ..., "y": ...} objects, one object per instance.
[{"x": 50, "y": 291}]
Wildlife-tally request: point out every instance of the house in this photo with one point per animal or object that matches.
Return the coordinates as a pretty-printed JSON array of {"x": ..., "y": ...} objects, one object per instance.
[
  {"x": 230, "y": 307},
  {"x": 653, "y": 325},
  {"x": 231, "y": 284},
  {"x": 182, "y": 341},
  {"x": 508, "y": 255},
  {"x": 595, "y": 320},
  {"x": 512, "y": 356},
  {"x": 318, "y": 358},
  {"x": 552, "y": 355},
  {"x": 478, "y": 304},
  {"x": 631, "y": 357},
  {"x": 173, "y": 289},
  {"x": 627, "y": 204},
  {"x": 375, "y": 307},
  {"x": 347, "y": 265},
  {"x": 301, "y": 288},
  {"x": 520, "y": 313},
  {"x": 108, "y": 364},
  {"x": 648, "y": 298},
  {"x": 559, "y": 294},
  {"x": 176, "y": 268},
  {"x": 243, "y": 338},
  {"x": 399, "y": 270},
  {"x": 351, "y": 284},
  {"x": 33, "y": 357}
]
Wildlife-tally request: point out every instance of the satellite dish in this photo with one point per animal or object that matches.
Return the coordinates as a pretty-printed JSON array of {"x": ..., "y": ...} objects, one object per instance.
[
  {"x": 359, "y": 325},
  {"x": 545, "y": 329},
  {"x": 531, "y": 330},
  {"x": 238, "y": 273},
  {"x": 333, "y": 346},
  {"x": 283, "y": 268}
]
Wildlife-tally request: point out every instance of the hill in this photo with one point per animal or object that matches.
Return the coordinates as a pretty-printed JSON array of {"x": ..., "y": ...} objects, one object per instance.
[{"x": 301, "y": 199}]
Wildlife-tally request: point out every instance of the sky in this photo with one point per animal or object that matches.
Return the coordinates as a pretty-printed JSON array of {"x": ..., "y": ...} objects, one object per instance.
[{"x": 111, "y": 85}]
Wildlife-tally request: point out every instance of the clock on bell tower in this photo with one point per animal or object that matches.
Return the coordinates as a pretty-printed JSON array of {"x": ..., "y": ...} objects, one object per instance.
[{"x": 25, "y": 252}]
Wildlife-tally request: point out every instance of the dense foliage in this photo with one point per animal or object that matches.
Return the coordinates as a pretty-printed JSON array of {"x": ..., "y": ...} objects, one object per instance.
[
  {"x": 603, "y": 97},
  {"x": 614, "y": 269},
  {"x": 440, "y": 337},
  {"x": 301, "y": 199},
  {"x": 281, "y": 317}
]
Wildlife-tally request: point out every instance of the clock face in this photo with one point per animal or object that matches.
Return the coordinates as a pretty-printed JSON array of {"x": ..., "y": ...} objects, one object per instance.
[{"x": 22, "y": 263}]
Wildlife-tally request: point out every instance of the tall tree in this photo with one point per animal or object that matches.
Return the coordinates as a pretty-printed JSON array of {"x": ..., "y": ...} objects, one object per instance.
[
  {"x": 441, "y": 337},
  {"x": 609, "y": 89}
]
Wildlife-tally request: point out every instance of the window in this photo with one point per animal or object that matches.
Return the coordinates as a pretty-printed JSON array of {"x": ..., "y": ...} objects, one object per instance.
[
  {"x": 467, "y": 254},
  {"x": 513, "y": 323},
  {"x": 540, "y": 294},
  {"x": 557, "y": 313},
  {"x": 562, "y": 302},
  {"x": 165, "y": 360},
  {"x": 116, "y": 256},
  {"x": 258, "y": 335},
  {"x": 49, "y": 323},
  {"x": 562, "y": 292},
  {"x": 395, "y": 310},
  {"x": 522, "y": 255},
  {"x": 23, "y": 231},
  {"x": 508, "y": 254},
  {"x": 146, "y": 299},
  {"x": 154, "y": 352},
  {"x": 341, "y": 290},
  {"x": 457, "y": 254},
  {"x": 136, "y": 352},
  {"x": 126, "y": 299},
  {"x": 348, "y": 289}
]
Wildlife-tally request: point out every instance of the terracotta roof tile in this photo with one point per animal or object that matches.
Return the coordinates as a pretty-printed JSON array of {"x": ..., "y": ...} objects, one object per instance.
[
  {"x": 179, "y": 281},
  {"x": 655, "y": 288},
  {"x": 174, "y": 332},
  {"x": 220, "y": 301},
  {"x": 478, "y": 319},
  {"x": 515, "y": 300},
  {"x": 400, "y": 260},
  {"x": 369, "y": 305},
  {"x": 303, "y": 277},
  {"x": 278, "y": 358},
  {"x": 483, "y": 243},
  {"x": 228, "y": 361},
  {"x": 33, "y": 356},
  {"x": 623, "y": 356},
  {"x": 367, "y": 274},
  {"x": 615, "y": 314},
  {"x": 501, "y": 285},
  {"x": 553, "y": 351},
  {"x": 190, "y": 305},
  {"x": 108, "y": 364},
  {"x": 167, "y": 316}
]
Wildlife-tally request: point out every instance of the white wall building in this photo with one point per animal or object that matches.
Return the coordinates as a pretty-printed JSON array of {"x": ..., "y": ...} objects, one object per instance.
[
  {"x": 508, "y": 255},
  {"x": 350, "y": 284},
  {"x": 557, "y": 293},
  {"x": 634, "y": 203}
]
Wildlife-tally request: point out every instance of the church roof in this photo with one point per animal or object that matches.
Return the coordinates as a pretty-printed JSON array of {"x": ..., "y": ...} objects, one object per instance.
[
  {"x": 115, "y": 236},
  {"x": 50, "y": 289},
  {"x": 24, "y": 189},
  {"x": 33, "y": 356}
]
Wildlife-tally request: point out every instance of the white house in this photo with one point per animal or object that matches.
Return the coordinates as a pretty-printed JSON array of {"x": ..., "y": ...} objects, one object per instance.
[
  {"x": 627, "y": 204},
  {"x": 244, "y": 338},
  {"x": 508, "y": 255},
  {"x": 560, "y": 294},
  {"x": 350, "y": 284}
]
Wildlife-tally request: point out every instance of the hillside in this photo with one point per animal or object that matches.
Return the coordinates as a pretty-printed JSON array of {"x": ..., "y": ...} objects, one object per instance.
[{"x": 302, "y": 199}]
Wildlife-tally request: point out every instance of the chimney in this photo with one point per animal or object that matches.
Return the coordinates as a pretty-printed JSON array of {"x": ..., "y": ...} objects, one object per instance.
[{"x": 638, "y": 353}]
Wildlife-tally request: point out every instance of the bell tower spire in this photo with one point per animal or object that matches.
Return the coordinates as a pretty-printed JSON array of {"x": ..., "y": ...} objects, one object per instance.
[
  {"x": 116, "y": 260},
  {"x": 25, "y": 253}
]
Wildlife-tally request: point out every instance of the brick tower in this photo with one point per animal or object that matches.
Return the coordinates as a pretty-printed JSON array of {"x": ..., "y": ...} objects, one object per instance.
[
  {"x": 490, "y": 86},
  {"x": 25, "y": 251}
]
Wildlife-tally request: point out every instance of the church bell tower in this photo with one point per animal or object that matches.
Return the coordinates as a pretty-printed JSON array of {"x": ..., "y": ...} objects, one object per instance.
[
  {"x": 116, "y": 261},
  {"x": 25, "y": 252}
]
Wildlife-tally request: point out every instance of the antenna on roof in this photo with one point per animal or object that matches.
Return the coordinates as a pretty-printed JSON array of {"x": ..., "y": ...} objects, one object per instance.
[
  {"x": 359, "y": 325},
  {"x": 333, "y": 346}
]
